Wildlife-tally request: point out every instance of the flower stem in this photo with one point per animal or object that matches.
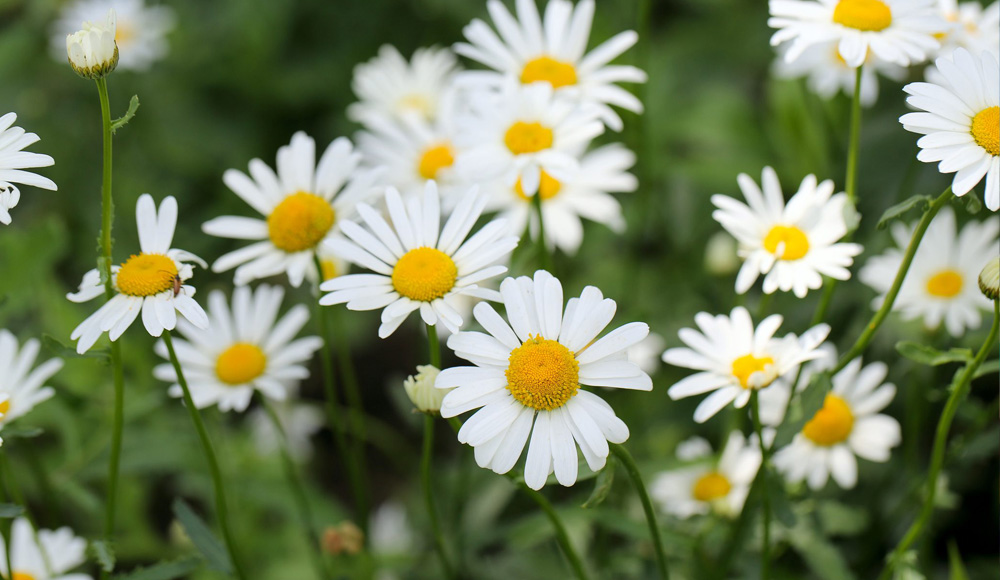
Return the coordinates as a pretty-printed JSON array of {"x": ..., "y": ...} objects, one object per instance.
[
  {"x": 890, "y": 297},
  {"x": 765, "y": 500},
  {"x": 562, "y": 537},
  {"x": 8, "y": 524},
  {"x": 425, "y": 478},
  {"x": 545, "y": 258},
  {"x": 213, "y": 463},
  {"x": 434, "y": 346},
  {"x": 647, "y": 506},
  {"x": 851, "y": 180},
  {"x": 959, "y": 389},
  {"x": 298, "y": 492}
]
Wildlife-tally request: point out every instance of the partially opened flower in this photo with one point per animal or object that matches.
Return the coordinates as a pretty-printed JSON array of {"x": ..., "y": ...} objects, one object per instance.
[
  {"x": 896, "y": 31},
  {"x": 13, "y": 162},
  {"x": 848, "y": 425},
  {"x": 553, "y": 51},
  {"x": 940, "y": 285},
  {"x": 45, "y": 555},
  {"x": 417, "y": 264},
  {"x": 302, "y": 205},
  {"x": 960, "y": 120},
  {"x": 388, "y": 86},
  {"x": 140, "y": 30},
  {"x": 713, "y": 484},
  {"x": 21, "y": 387},
  {"x": 246, "y": 348},
  {"x": 92, "y": 51},
  {"x": 796, "y": 244},
  {"x": 151, "y": 282},
  {"x": 734, "y": 358},
  {"x": 827, "y": 73},
  {"x": 529, "y": 375}
]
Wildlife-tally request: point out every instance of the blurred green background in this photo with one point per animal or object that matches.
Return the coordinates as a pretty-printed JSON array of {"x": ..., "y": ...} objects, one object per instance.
[{"x": 242, "y": 76}]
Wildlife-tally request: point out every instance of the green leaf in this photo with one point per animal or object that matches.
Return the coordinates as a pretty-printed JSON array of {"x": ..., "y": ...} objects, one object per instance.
[
  {"x": 928, "y": 355},
  {"x": 987, "y": 368},
  {"x": 897, "y": 211},
  {"x": 803, "y": 408},
  {"x": 820, "y": 556},
  {"x": 167, "y": 570},
  {"x": 956, "y": 569},
  {"x": 202, "y": 537},
  {"x": 56, "y": 346},
  {"x": 781, "y": 506},
  {"x": 133, "y": 106},
  {"x": 603, "y": 483},
  {"x": 102, "y": 551},
  {"x": 838, "y": 519},
  {"x": 9, "y": 511}
]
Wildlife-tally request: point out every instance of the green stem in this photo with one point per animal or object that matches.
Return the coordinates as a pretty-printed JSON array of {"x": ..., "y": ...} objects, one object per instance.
[
  {"x": 545, "y": 258},
  {"x": 851, "y": 181},
  {"x": 890, "y": 297},
  {"x": 425, "y": 478},
  {"x": 434, "y": 346},
  {"x": 8, "y": 524},
  {"x": 765, "y": 500},
  {"x": 562, "y": 537},
  {"x": 959, "y": 390},
  {"x": 213, "y": 463},
  {"x": 298, "y": 492},
  {"x": 654, "y": 530}
]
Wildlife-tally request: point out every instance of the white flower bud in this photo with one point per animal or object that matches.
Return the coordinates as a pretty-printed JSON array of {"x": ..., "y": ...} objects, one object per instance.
[
  {"x": 420, "y": 389},
  {"x": 720, "y": 255},
  {"x": 92, "y": 51},
  {"x": 989, "y": 279}
]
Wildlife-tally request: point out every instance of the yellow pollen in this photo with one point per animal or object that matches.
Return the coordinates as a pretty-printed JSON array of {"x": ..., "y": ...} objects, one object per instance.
[
  {"x": 5, "y": 407},
  {"x": 435, "y": 159},
  {"x": 831, "y": 424},
  {"x": 548, "y": 187},
  {"x": 555, "y": 72},
  {"x": 945, "y": 284},
  {"x": 146, "y": 275},
  {"x": 22, "y": 576},
  {"x": 542, "y": 374},
  {"x": 792, "y": 241},
  {"x": 868, "y": 15},
  {"x": 240, "y": 364},
  {"x": 329, "y": 269},
  {"x": 424, "y": 274},
  {"x": 527, "y": 138},
  {"x": 747, "y": 365},
  {"x": 711, "y": 486},
  {"x": 986, "y": 130},
  {"x": 300, "y": 222}
]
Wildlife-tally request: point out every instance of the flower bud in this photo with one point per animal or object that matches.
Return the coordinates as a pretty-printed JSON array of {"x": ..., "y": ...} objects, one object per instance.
[
  {"x": 989, "y": 279},
  {"x": 420, "y": 389},
  {"x": 92, "y": 51},
  {"x": 721, "y": 257},
  {"x": 344, "y": 538}
]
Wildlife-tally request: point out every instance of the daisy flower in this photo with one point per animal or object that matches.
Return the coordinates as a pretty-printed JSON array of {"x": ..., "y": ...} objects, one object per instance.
[
  {"x": 941, "y": 282},
  {"x": 21, "y": 388},
  {"x": 514, "y": 134},
  {"x": 774, "y": 399},
  {"x": 13, "y": 162},
  {"x": 140, "y": 31},
  {"x": 300, "y": 421},
  {"x": 896, "y": 31},
  {"x": 246, "y": 348},
  {"x": 827, "y": 73},
  {"x": 735, "y": 358},
  {"x": 47, "y": 555},
  {"x": 528, "y": 377},
  {"x": 303, "y": 204},
  {"x": 848, "y": 426},
  {"x": 970, "y": 26},
  {"x": 151, "y": 282},
  {"x": 718, "y": 485},
  {"x": 389, "y": 87},
  {"x": 960, "y": 120},
  {"x": 553, "y": 51},
  {"x": 585, "y": 194},
  {"x": 417, "y": 264},
  {"x": 794, "y": 245}
]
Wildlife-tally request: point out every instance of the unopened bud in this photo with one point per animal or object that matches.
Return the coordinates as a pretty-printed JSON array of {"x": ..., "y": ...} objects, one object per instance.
[
  {"x": 344, "y": 538},
  {"x": 989, "y": 279},
  {"x": 420, "y": 389},
  {"x": 92, "y": 51}
]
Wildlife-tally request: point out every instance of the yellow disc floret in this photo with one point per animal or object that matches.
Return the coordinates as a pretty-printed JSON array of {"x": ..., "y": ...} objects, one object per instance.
[
  {"x": 300, "y": 222},
  {"x": 711, "y": 486},
  {"x": 542, "y": 374},
  {"x": 832, "y": 424},
  {"x": 945, "y": 284},
  {"x": 986, "y": 130},
  {"x": 4, "y": 407},
  {"x": 23, "y": 576},
  {"x": 547, "y": 69},
  {"x": 748, "y": 364},
  {"x": 240, "y": 363},
  {"x": 867, "y": 15},
  {"x": 524, "y": 137},
  {"x": 146, "y": 275},
  {"x": 786, "y": 242},
  {"x": 424, "y": 274},
  {"x": 548, "y": 187},
  {"x": 434, "y": 159}
]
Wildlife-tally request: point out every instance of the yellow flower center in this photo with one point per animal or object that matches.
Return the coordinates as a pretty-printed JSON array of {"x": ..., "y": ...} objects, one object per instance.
[
  {"x": 868, "y": 15},
  {"x": 555, "y": 72},
  {"x": 711, "y": 486},
  {"x": 548, "y": 187},
  {"x": 747, "y": 365},
  {"x": 831, "y": 424},
  {"x": 5, "y": 407},
  {"x": 240, "y": 364},
  {"x": 786, "y": 242},
  {"x": 435, "y": 159},
  {"x": 527, "y": 138},
  {"x": 329, "y": 269},
  {"x": 22, "y": 576},
  {"x": 945, "y": 284},
  {"x": 299, "y": 222},
  {"x": 124, "y": 32},
  {"x": 986, "y": 130},
  {"x": 542, "y": 374},
  {"x": 424, "y": 274},
  {"x": 146, "y": 275}
]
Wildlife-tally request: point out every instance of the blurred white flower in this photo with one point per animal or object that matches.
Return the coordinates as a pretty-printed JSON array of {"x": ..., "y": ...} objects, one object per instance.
[
  {"x": 139, "y": 32},
  {"x": 13, "y": 162},
  {"x": 388, "y": 87},
  {"x": 21, "y": 388},
  {"x": 646, "y": 353},
  {"x": 92, "y": 51},
  {"x": 827, "y": 73},
  {"x": 970, "y": 26},
  {"x": 300, "y": 422},
  {"x": 721, "y": 254},
  {"x": 45, "y": 555}
]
